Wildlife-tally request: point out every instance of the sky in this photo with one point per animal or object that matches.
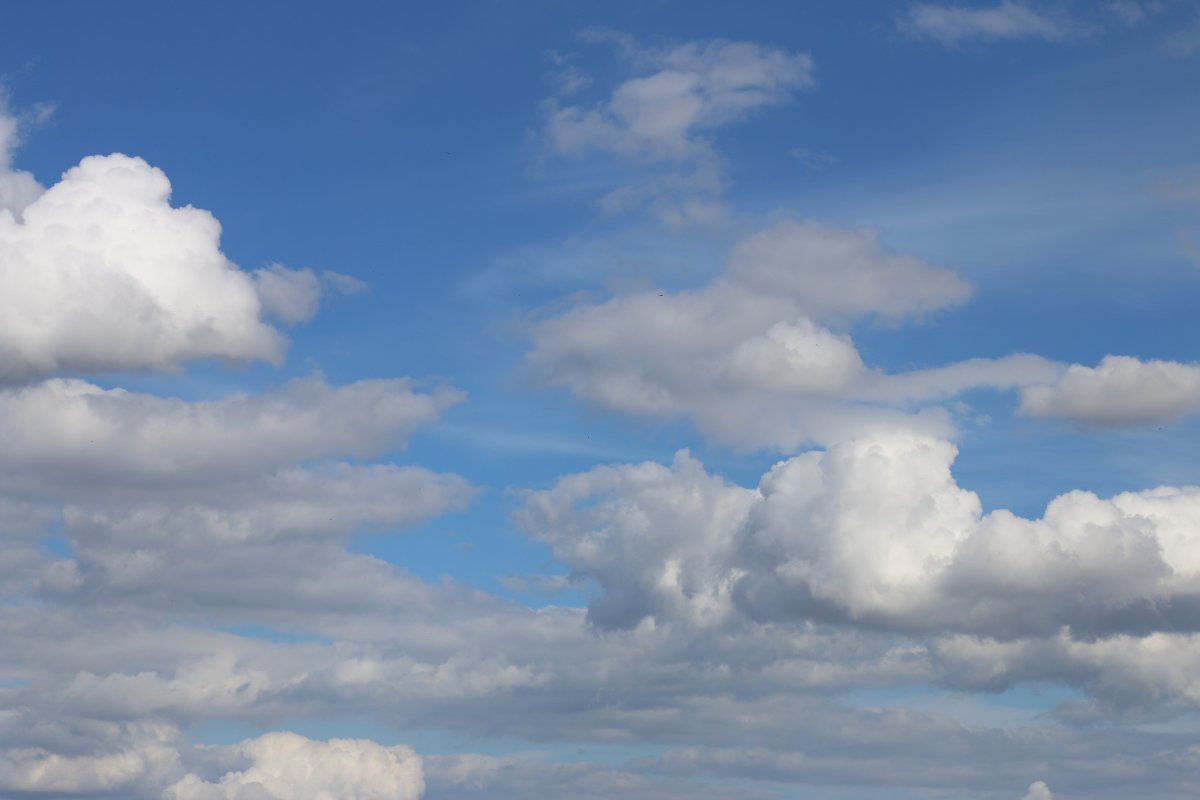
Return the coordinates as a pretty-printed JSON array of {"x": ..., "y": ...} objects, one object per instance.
[{"x": 554, "y": 401}]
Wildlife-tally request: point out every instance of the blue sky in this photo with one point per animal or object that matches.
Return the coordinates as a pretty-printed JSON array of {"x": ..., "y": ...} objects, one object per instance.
[{"x": 600, "y": 400}]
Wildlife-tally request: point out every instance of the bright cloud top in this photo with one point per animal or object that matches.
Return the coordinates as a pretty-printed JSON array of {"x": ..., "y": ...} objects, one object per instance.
[
  {"x": 874, "y": 531},
  {"x": 286, "y": 766},
  {"x": 100, "y": 273}
]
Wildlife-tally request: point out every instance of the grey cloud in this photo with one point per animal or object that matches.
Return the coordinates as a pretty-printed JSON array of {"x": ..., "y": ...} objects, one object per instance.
[
  {"x": 135, "y": 442},
  {"x": 1120, "y": 390}
]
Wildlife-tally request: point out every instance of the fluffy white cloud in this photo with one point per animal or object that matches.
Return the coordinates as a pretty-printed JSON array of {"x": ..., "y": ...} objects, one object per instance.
[
  {"x": 101, "y": 273},
  {"x": 286, "y": 766},
  {"x": 683, "y": 92},
  {"x": 1121, "y": 390},
  {"x": 1007, "y": 20},
  {"x": 873, "y": 531}
]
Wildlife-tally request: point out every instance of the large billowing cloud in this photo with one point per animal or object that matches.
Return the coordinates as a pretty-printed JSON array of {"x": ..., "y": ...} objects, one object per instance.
[
  {"x": 101, "y": 273},
  {"x": 286, "y": 766},
  {"x": 874, "y": 532},
  {"x": 1121, "y": 390}
]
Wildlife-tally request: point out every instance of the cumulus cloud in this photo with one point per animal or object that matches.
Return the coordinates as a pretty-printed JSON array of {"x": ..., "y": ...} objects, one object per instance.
[
  {"x": 101, "y": 273},
  {"x": 747, "y": 357},
  {"x": 952, "y": 25},
  {"x": 1121, "y": 390},
  {"x": 681, "y": 93},
  {"x": 287, "y": 766},
  {"x": 876, "y": 532}
]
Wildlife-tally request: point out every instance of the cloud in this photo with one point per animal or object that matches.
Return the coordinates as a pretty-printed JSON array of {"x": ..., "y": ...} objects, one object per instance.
[
  {"x": 17, "y": 188},
  {"x": 871, "y": 532},
  {"x": 77, "y": 436},
  {"x": 102, "y": 274},
  {"x": 682, "y": 92},
  {"x": 286, "y": 766},
  {"x": 831, "y": 272},
  {"x": 953, "y": 25},
  {"x": 129, "y": 758},
  {"x": 1121, "y": 390},
  {"x": 744, "y": 355},
  {"x": 668, "y": 112},
  {"x": 344, "y": 284},
  {"x": 289, "y": 295},
  {"x": 1039, "y": 791}
]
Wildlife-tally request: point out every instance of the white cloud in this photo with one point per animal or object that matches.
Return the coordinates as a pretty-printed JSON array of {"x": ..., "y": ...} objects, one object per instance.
[
  {"x": 683, "y": 92},
  {"x": 1121, "y": 390},
  {"x": 668, "y": 112},
  {"x": 75, "y": 435},
  {"x": 832, "y": 272},
  {"x": 286, "y": 766},
  {"x": 101, "y": 273},
  {"x": 1039, "y": 791},
  {"x": 1006, "y": 20},
  {"x": 874, "y": 531},
  {"x": 743, "y": 355},
  {"x": 17, "y": 188}
]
